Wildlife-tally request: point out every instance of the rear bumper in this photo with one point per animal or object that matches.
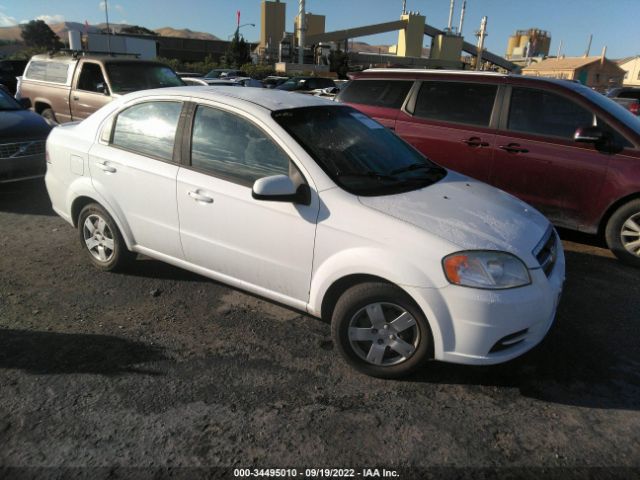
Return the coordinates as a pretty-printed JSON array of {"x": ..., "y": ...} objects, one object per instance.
[{"x": 22, "y": 168}]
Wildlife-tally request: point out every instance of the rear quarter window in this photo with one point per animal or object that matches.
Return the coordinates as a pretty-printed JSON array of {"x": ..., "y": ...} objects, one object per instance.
[
  {"x": 53, "y": 72},
  {"x": 377, "y": 93}
]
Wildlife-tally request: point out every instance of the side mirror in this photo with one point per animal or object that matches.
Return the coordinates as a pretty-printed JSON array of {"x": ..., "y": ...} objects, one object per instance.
[
  {"x": 590, "y": 135},
  {"x": 280, "y": 188},
  {"x": 25, "y": 103},
  {"x": 102, "y": 87}
]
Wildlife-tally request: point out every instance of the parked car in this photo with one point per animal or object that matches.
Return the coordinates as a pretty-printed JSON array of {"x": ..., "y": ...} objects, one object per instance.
[
  {"x": 64, "y": 87},
  {"x": 210, "y": 82},
  {"x": 305, "y": 84},
  {"x": 628, "y": 97},
  {"x": 22, "y": 140},
  {"x": 225, "y": 73},
  {"x": 314, "y": 205},
  {"x": 561, "y": 147},
  {"x": 272, "y": 81},
  {"x": 10, "y": 70}
]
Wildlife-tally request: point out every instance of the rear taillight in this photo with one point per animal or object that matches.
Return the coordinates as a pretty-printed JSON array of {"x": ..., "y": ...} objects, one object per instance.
[{"x": 635, "y": 108}]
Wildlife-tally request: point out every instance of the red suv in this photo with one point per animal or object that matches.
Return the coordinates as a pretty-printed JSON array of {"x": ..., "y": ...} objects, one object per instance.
[{"x": 569, "y": 151}]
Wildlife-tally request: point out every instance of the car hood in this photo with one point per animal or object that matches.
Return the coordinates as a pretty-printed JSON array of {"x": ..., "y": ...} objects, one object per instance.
[
  {"x": 469, "y": 214},
  {"x": 16, "y": 125}
]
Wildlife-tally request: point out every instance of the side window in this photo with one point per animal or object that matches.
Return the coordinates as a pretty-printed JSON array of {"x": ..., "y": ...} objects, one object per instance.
[
  {"x": 616, "y": 137},
  {"x": 229, "y": 146},
  {"x": 377, "y": 93},
  {"x": 91, "y": 78},
  {"x": 148, "y": 128},
  {"x": 544, "y": 113},
  {"x": 468, "y": 103},
  {"x": 54, "y": 72}
]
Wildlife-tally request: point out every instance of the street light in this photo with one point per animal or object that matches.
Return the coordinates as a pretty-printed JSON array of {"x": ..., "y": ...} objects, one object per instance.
[{"x": 237, "y": 32}]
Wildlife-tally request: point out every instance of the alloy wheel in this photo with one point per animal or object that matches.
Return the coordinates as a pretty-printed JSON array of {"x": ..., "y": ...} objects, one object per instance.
[
  {"x": 630, "y": 234},
  {"x": 98, "y": 238}
]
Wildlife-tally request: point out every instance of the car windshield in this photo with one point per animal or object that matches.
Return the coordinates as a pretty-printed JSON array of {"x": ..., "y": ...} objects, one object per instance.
[
  {"x": 358, "y": 153},
  {"x": 132, "y": 76},
  {"x": 615, "y": 109},
  {"x": 7, "y": 102}
]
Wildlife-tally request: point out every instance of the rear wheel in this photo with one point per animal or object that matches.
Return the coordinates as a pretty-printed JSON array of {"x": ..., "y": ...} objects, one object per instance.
[
  {"x": 50, "y": 117},
  {"x": 380, "y": 331},
  {"x": 623, "y": 233},
  {"x": 101, "y": 239}
]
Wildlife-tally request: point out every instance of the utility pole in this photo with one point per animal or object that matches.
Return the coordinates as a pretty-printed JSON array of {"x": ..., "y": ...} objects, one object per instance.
[
  {"x": 301, "y": 30},
  {"x": 481, "y": 34},
  {"x": 106, "y": 13}
]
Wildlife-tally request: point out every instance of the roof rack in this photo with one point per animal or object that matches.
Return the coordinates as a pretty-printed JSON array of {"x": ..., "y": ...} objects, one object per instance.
[{"x": 82, "y": 53}]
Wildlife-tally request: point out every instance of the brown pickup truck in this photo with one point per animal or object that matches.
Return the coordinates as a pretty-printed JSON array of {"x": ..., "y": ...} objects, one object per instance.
[{"x": 66, "y": 87}]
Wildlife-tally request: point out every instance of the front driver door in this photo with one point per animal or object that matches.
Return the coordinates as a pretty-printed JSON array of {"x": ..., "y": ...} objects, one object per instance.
[{"x": 264, "y": 246}]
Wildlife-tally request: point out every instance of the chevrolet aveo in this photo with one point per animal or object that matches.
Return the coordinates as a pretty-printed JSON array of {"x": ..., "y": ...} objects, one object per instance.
[{"x": 314, "y": 205}]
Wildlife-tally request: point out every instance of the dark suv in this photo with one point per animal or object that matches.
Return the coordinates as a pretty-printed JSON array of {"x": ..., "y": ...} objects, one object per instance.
[{"x": 571, "y": 152}]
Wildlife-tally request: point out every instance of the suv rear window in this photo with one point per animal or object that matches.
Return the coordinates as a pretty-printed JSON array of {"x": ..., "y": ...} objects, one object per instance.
[
  {"x": 377, "y": 93},
  {"x": 458, "y": 102},
  {"x": 54, "y": 72}
]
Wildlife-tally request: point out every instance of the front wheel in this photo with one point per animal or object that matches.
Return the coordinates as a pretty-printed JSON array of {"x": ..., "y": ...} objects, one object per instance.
[
  {"x": 623, "y": 233},
  {"x": 380, "y": 331},
  {"x": 101, "y": 239}
]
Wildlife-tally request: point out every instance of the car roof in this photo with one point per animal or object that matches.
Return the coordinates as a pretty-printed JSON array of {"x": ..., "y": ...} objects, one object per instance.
[{"x": 269, "y": 99}]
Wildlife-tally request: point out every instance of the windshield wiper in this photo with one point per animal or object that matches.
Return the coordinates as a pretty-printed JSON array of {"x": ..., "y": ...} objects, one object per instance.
[
  {"x": 409, "y": 168},
  {"x": 369, "y": 174}
]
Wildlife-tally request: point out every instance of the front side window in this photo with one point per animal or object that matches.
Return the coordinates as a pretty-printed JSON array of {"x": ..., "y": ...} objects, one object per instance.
[
  {"x": 539, "y": 112},
  {"x": 91, "y": 78},
  {"x": 377, "y": 93},
  {"x": 458, "y": 102},
  {"x": 358, "y": 153},
  {"x": 148, "y": 128},
  {"x": 229, "y": 146}
]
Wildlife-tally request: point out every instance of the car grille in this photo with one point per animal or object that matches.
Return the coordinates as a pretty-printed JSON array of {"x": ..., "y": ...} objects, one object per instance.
[
  {"x": 547, "y": 251},
  {"x": 22, "y": 149}
]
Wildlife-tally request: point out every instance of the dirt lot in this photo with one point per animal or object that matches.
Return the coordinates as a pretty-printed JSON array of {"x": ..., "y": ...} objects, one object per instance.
[{"x": 158, "y": 370}]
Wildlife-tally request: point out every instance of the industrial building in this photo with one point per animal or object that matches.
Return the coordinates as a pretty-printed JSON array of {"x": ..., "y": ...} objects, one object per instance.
[
  {"x": 528, "y": 43},
  {"x": 595, "y": 72},
  {"x": 631, "y": 67}
]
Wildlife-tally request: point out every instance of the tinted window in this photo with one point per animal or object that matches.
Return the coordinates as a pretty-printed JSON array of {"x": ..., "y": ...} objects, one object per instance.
[
  {"x": 55, "y": 72},
  {"x": 377, "y": 93},
  {"x": 469, "y": 103},
  {"x": 357, "y": 152},
  {"x": 230, "y": 146},
  {"x": 630, "y": 94},
  {"x": 132, "y": 76},
  {"x": 148, "y": 129},
  {"x": 545, "y": 113},
  {"x": 91, "y": 78}
]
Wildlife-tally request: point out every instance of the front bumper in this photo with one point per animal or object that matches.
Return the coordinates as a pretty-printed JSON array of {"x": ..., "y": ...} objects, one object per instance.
[
  {"x": 22, "y": 168},
  {"x": 484, "y": 327}
]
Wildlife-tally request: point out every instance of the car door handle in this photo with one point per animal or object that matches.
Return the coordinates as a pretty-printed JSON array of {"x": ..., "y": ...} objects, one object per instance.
[
  {"x": 76, "y": 98},
  {"x": 199, "y": 197},
  {"x": 106, "y": 168},
  {"x": 513, "y": 148},
  {"x": 475, "y": 142}
]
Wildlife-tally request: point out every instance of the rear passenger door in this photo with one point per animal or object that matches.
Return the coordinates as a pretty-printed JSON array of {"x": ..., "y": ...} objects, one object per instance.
[
  {"x": 380, "y": 99},
  {"x": 454, "y": 124}
]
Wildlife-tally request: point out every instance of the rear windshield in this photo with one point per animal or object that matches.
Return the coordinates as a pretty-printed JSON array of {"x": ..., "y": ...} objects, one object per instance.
[
  {"x": 132, "y": 76},
  {"x": 358, "y": 153},
  {"x": 54, "y": 72},
  {"x": 376, "y": 93}
]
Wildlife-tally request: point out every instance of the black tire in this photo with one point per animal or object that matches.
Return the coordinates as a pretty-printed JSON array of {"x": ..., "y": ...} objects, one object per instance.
[
  {"x": 49, "y": 116},
  {"x": 116, "y": 258},
  {"x": 351, "y": 307},
  {"x": 615, "y": 236}
]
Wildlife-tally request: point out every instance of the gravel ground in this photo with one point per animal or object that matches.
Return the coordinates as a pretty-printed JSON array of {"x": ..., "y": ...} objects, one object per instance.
[{"x": 159, "y": 370}]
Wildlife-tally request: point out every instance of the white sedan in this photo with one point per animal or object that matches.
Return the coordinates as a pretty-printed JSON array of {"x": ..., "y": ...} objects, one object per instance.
[{"x": 314, "y": 205}]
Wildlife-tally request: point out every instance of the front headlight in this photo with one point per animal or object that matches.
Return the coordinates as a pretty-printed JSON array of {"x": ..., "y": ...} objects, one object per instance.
[{"x": 485, "y": 269}]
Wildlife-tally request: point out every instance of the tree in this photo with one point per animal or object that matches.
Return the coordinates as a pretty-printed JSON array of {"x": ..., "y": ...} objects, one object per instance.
[
  {"x": 339, "y": 63},
  {"x": 36, "y": 33},
  {"x": 237, "y": 52},
  {"x": 137, "y": 30}
]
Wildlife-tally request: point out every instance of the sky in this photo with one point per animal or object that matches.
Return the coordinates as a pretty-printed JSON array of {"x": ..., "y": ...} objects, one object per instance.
[{"x": 613, "y": 23}]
